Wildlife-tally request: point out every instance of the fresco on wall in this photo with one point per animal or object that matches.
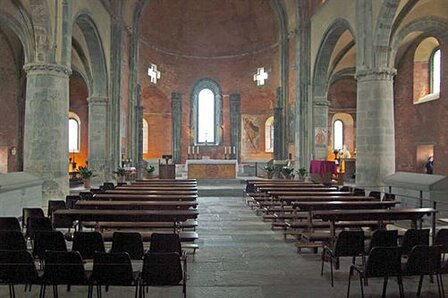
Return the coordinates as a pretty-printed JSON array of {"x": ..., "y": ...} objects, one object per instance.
[
  {"x": 320, "y": 136},
  {"x": 250, "y": 133}
]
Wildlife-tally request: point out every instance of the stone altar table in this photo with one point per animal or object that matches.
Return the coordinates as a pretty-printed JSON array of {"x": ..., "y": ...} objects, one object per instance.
[{"x": 211, "y": 168}]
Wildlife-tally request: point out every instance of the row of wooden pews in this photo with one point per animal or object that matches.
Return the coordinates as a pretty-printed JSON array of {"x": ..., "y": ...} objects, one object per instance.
[
  {"x": 314, "y": 213},
  {"x": 145, "y": 206}
]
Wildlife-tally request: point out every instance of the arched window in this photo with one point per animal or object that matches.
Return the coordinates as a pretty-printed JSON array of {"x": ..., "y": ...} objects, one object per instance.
[
  {"x": 269, "y": 134},
  {"x": 435, "y": 71},
  {"x": 145, "y": 136},
  {"x": 73, "y": 134},
  {"x": 338, "y": 135},
  {"x": 206, "y": 113},
  {"x": 206, "y": 116}
]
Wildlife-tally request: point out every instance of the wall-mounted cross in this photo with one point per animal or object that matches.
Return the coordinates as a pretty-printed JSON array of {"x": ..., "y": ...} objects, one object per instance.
[
  {"x": 260, "y": 76},
  {"x": 153, "y": 73}
]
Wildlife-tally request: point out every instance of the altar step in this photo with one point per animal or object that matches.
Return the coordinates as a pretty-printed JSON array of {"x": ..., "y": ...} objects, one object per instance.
[{"x": 220, "y": 187}]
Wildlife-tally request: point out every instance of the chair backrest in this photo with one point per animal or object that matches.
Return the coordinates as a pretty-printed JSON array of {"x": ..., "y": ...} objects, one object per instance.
[
  {"x": 388, "y": 197},
  {"x": 349, "y": 243},
  {"x": 161, "y": 269},
  {"x": 86, "y": 195},
  {"x": 413, "y": 237},
  {"x": 108, "y": 185},
  {"x": 375, "y": 194},
  {"x": 9, "y": 224},
  {"x": 64, "y": 267},
  {"x": 96, "y": 190},
  {"x": 55, "y": 205},
  {"x": 17, "y": 267},
  {"x": 383, "y": 261},
  {"x": 344, "y": 188},
  {"x": 359, "y": 192},
  {"x": 442, "y": 240},
  {"x": 87, "y": 243},
  {"x": 70, "y": 200},
  {"x": 424, "y": 259},
  {"x": 48, "y": 241},
  {"x": 113, "y": 269},
  {"x": 384, "y": 238},
  {"x": 165, "y": 243},
  {"x": 31, "y": 212},
  {"x": 38, "y": 224},
  {"x": 12, "y": 240},
  {"x": 130, "y": 242}
]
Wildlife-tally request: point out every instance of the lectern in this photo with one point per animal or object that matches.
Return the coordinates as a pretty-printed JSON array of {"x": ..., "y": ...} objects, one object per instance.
[{"x": 167, "y": 170}]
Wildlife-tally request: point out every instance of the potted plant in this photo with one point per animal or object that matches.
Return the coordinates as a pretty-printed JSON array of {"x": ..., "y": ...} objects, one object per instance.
[
  {"x": 121, "y": 174},
  {"x": 287, "y": 172},
  {"x": 269, "y": 171},
  {"x": 301, "y": 173},
  {"x": 86, "y": 174},
  {"x": 150, "y": 171}
]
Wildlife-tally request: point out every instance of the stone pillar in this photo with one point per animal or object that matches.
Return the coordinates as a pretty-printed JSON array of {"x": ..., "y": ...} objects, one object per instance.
[
  {"x": 46, "y": 127},
  {"x": 176, "y": 117},
  {"x": 375, "y": 135},
  {"x": 320, "y": 127},
  {"x": 141, "y": 164},
  {"x": 98, "y": 138},
  {"x": 279, "y": 132},
  {"x": 235, "y": 123}
]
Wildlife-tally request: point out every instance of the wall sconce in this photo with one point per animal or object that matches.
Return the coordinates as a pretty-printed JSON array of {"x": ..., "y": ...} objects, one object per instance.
[{"x": 13, "y": 150}]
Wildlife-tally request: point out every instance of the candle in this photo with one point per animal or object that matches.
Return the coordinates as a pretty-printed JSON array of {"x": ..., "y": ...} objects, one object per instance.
[
  {"x": 189, "y": 150},
  {"x": 233, "y": 150},
  {"x": 225, "y": 149},
  {"x": 197, "y": 149}
]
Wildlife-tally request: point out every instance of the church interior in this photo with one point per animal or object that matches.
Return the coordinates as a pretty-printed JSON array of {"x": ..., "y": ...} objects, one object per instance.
[{"x": 212, "y": 98}]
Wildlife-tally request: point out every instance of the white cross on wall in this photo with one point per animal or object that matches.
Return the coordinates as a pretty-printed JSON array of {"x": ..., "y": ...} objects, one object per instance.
[
  {"x": 260, "y": 76},
  {"x": 153, "y": 73}
]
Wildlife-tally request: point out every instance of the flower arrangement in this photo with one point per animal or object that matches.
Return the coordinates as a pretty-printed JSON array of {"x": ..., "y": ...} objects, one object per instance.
[
  {"x": 268, "y": 168},
  {"x": 287, "y": 171},
  {"x": 301, "y": 172},
  {"x": 120, "y": 171},
  {"x": 150, "y": 169}
]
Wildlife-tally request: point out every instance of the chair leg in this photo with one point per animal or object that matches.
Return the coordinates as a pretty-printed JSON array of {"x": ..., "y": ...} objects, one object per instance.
[
  {"x": 184, "y": 288},
  {"x": 441, "y": 285},
  {"x": 44, "y": 288},
  {"x": 420, "y": 283},
  {"x": 438, "y": 285},
  {"x": 331, "y": 271},
  {"x": 400, "y": 286},
  {"x": 349, "y": 281},
  {"x": 386, "y": 279},
  {"x": 55, "y": 291},
  {"x": 323, "y": 260},
  {"x": 11, "y": 291},
  {"x": 362, "y": 286},
  {"x": 136, "y": 290}
]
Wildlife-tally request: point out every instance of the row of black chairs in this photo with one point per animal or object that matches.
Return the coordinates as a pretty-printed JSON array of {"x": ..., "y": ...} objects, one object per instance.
[
  {"x": 351, "y": 244},
  {"x": 109, "y": 269}
]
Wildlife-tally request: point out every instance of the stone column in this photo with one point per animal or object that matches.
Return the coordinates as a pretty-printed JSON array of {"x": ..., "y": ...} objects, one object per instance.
[
  {"x": 46, "y": 127},
  {"x": 98, "y": 138},
  {"x": 279, "y": 132},
  {"x": 320, "y": 127},
  {"x": 375, "y": 135},
  {"x": 141, "y": 164},
  {"x": 235, "y": 123},
  {"x": 176, "y": 117}
]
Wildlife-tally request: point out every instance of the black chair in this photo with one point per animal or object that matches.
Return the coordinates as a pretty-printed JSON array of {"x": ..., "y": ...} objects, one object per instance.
[
  {"x": 344, "y": 188},
  {"x": 442, "y": 240},
  {"x": 359, "y": 192},
  {"x": 113, "y": 269},
  {"x": 30, "y": 212},
  {"x": 70, "y": 201},
  {"x": 168, "y": 243},
  {"x": 162, "y": 269},
  {"x": 38, "y": 224},
  {"x": 424, "y": 260},
  {"x": 96, "y": 190},
  {"x": 382, "y": 262},
  {"x": 55, "y": 205},
  {"x": 64, "y": 268},
  {"x": 375, "y": 194},
  {"x": 12, "y": 240},
  {"x": 87, "y": 243},
  {"x": 108, "y": 186},
  {"x": 413, "y": 237},
  {"x": 9, "y": 224},
  {"x": 86, "y": 195},
  {"x": 384, "y": 238},
  {"x": 130, "y": 242},
  {"x": 16, "y": 268},
  {"x": 388, "y": 197},
  {"x": 48, "y": 241},
  {"x": 348, "y": 244}
]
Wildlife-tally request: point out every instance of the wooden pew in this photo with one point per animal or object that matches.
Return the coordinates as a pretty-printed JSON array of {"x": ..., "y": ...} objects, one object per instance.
[
  {"x": 135, "y": 205},
  {"x": 153, "y": 192},
  {"x": 145, "y": 197}
]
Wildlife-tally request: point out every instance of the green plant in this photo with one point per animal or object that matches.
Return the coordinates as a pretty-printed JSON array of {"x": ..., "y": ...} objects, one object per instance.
[
  {"x": 85, "y": 172},
  {"x": 150, "y": 169},
  {"x": 120, "y": 171},
  {"x": 287, "y": 170},
  {"x": 301, "y": 172},
  {"x": 268, "y": 168}
]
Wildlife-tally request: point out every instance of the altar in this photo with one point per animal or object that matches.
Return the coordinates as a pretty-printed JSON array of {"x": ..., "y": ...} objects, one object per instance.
[{"x": 211, "y": 168}]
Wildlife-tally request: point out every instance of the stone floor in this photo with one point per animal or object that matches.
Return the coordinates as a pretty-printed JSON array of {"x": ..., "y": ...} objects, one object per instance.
[{"x": 240, "y": 256}]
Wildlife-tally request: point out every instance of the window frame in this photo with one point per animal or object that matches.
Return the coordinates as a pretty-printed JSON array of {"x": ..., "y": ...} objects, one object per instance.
[
  {"x": 334, "y": 134},
  {"x": 145, "y": 135},
  {"x": 431, "y": 70},
  {"x": 75, "y": 118}
]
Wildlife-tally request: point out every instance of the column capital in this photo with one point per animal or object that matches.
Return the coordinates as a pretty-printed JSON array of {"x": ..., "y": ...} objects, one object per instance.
[
  {"x": 47, "y": 69},
  {"x": 376, "y": 74},
  {"x": 98, "y": 100},
  {"x": 176, "y": 96}
]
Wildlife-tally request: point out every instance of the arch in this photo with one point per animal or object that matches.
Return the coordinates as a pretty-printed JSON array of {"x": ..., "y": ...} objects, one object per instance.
[
  {"x": 434, "y": 26},
  {"x": 96, "y": 54},
  {"x": 383, "y": 31},
  {"x": 423, "y": 72},
  {"x": 22, "y": 31},
  {"x": 198, "y": 87},
  {"x": 321, "y": 67}
]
